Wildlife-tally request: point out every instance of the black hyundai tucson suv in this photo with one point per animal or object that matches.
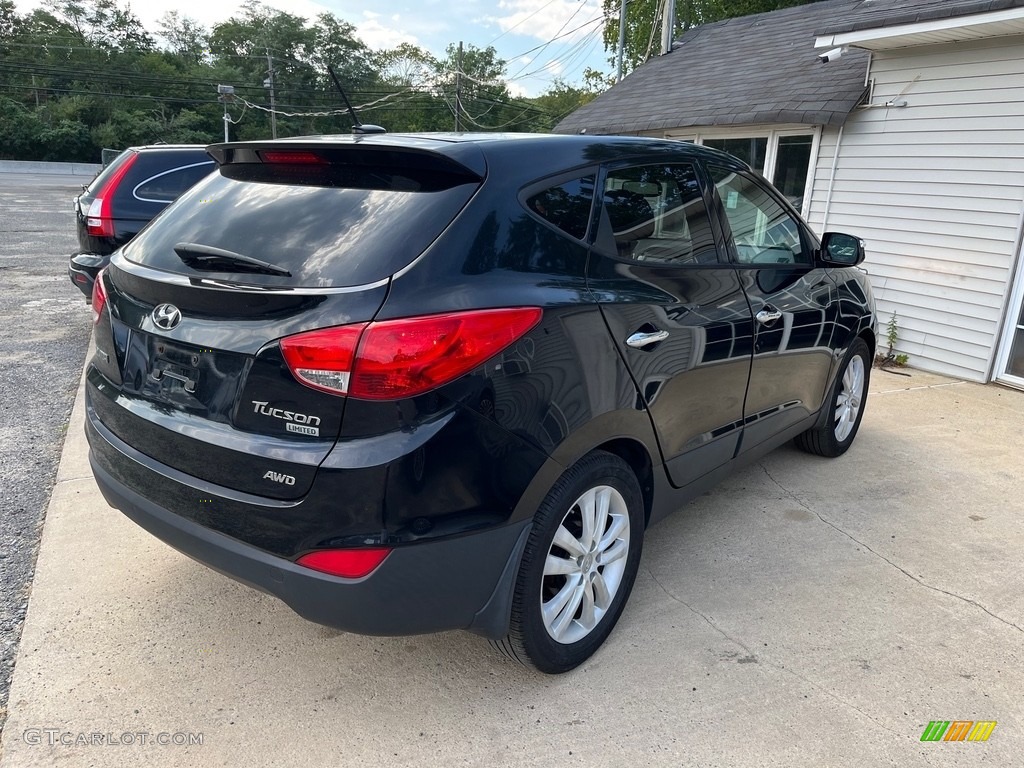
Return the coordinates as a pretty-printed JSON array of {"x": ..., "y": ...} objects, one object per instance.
[
  {"x": 417, "y": 383},
  {"x": 137, "y": 185}
]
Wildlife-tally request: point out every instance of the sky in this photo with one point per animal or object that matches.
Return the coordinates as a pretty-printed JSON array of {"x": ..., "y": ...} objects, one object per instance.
[{"x": 540, "y": 39}]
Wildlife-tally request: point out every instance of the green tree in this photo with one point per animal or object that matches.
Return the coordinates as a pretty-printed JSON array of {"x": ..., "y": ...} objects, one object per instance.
[
  {"x": 10, "y": 22},
  {"x": 80, "y": 75},
  {"x": 299, "y": 53},
  {"x": 21, "y": 129},
  {"x": 406, "y": 65},
  {"x": 104, "y": 23},
  {"x": 643, "y": 22},
  {"x": 557, "y": 102},
  {"x": 186, "y": 38}
]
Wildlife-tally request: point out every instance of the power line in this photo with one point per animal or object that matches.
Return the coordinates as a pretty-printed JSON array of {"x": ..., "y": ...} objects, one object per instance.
[
  {"x": 79, "y": 73},
  {"x": 329, "y": 113},
  {"x": 565, "y": 23},
  {"x": 564, "y": 34},
  {"x": 521, "y": 21}
]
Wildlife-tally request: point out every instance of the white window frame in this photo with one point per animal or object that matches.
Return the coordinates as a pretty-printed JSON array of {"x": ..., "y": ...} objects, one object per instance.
[
  {"x": 771, "y": 151},
  {"x": 1012, "y": 324}
]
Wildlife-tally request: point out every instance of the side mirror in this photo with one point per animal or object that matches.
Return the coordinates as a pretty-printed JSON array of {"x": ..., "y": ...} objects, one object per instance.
[{"x": 841, "y": 250}]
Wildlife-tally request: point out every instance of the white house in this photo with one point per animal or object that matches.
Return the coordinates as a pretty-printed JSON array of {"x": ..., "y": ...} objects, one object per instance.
[{"x": 910, "y": 134}]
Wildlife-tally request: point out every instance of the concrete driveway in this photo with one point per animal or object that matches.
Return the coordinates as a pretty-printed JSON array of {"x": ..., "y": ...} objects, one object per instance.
[{"x": 806, "y": 613}]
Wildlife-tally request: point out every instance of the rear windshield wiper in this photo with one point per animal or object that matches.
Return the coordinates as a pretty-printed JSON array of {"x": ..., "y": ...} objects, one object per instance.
[{"x": 218, "y": 260}]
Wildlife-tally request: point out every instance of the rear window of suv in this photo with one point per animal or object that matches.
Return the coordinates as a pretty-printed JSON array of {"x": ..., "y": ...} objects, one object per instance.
[
  {"x": 165, "y": 186},
  {"x": 325, "y": 236}
]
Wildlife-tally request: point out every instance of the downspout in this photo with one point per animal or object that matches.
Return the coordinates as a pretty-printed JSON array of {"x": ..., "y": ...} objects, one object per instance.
[
  {"x": 835, "y": 157},
  {"x": 831, "y": 181}
]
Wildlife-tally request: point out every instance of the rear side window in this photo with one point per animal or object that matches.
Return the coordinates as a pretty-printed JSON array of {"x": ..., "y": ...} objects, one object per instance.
[
  {"x": 166, "y": 186},
  {"x": 657, "y": 214},
  {"x": 325, "y": 236},
  {"x": 567, "y": 205},
  {"x": 110, "y": 170}
]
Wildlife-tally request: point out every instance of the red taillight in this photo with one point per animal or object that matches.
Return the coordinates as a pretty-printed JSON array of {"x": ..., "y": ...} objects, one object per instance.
[
  {"x": 99, "y": 220},
  {"x": 323, "y": 359},
  {"x": 393, "y": 359},
  {"x": 291, "y": 157},
  {"x": 99, "y": 297},
  {"x": 347, "y": 563}
]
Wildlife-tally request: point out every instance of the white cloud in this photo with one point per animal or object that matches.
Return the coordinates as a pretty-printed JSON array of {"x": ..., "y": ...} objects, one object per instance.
[
  {"x": 548, "y": 19},
  {"x": 553, "y": 67},
  {"x": 210, "y": 12},
  {"x": 379, "y": 35}
]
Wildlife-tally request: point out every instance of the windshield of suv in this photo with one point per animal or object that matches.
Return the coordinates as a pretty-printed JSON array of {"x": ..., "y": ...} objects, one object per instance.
[{"x": 324, "y": 236}]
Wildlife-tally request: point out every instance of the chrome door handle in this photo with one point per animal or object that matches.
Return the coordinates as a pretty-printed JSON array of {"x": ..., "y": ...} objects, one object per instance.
[
  {"x": 767, "y": 316},
  {"x": 640, "y": 339}
]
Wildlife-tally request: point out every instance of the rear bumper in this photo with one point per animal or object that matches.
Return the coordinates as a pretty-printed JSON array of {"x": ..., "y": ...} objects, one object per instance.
[
  {"x": 461, "y": 582},
  {"x": 83, "y": 268}
]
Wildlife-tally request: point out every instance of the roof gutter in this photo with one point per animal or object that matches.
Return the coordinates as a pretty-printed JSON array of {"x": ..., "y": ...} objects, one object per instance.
[{"x": 912, "y": 34}]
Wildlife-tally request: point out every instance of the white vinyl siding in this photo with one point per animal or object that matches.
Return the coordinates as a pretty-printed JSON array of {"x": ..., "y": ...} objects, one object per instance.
[{"x": 936, "y": 191}]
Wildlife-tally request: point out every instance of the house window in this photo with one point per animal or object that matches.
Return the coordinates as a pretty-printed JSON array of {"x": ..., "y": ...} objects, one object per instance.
[
  {"x": 792, "y": 162},
  {"x": 752, "y": 151},
  {"x": 782, "y": 154}
]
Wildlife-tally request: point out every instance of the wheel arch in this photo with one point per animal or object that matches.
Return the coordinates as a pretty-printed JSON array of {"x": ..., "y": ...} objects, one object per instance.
[
  {"x": 869, "y": 338},
  {"x": 635, "y": 454},
  {"x": 626, "y": 433}
]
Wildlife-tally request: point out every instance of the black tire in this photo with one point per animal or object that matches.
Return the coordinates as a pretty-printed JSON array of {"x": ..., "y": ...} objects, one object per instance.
[
  {"x": 530, "y": 641},
  {"x": 833, "y": 436}
]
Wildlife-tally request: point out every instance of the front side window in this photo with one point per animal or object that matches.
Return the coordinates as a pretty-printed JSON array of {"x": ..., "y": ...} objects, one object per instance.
[
  {"x": 657, "y": 213},
  {"x": 763, "y": 231}
]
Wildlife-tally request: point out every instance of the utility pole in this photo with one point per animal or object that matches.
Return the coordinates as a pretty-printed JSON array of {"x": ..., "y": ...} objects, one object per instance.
[
  {"x": 226, "y": 95},
  {"x": 269, "y": 83},
  {"x": 458, "y": 89},
  {"x": 668, "y": 23},
  {"x": 622, "y": 40}
]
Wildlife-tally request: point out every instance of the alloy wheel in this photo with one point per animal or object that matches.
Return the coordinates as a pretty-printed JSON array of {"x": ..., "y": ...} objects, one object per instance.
[
  {"x": 849, "y": 399},
  {"x": 585, "y": 564}
]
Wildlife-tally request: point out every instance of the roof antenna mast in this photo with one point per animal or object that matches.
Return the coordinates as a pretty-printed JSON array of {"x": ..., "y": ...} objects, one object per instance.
[{"x": 357, "y": 127}]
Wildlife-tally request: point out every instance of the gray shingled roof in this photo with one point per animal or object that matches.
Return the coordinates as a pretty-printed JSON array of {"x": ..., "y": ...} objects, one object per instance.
[
  {"x": 876, "y": 14},
  {"x": 758, "y": 69},
  {"x": 754, "y": 69}
]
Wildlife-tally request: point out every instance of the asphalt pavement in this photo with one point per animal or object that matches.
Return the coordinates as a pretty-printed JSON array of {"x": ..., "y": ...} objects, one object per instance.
[{"x": 44, "y": 329}]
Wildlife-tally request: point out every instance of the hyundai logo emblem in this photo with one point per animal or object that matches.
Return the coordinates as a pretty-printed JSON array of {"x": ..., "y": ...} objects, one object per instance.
[{"x": 166, "y": 316}]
